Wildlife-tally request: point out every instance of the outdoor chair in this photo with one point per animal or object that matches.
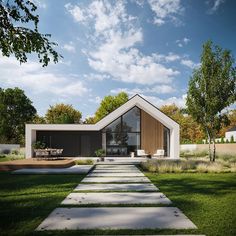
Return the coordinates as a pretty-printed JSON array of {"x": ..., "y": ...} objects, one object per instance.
[
  {"x": 141, "y": 153},
  {"x": 159, "y": 153}
]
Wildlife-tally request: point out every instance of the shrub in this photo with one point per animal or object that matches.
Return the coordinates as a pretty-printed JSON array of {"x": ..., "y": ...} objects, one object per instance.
[
  {"x": 100, "y": 152},
  {"x": 6, "y": 151},
  {"x": 190, "y": 165},
  {"x": 15, "y": 152},
  {"x": 84, "y": 162},
  {"x": 232, "y": 139},
  {"x": 38, "y": 145},
  {"x": 233, "y": 167}
]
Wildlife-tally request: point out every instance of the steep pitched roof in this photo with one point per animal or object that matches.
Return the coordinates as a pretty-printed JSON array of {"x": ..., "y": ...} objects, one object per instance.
[
  {"x": 231, "y": 129},
  {"x": 136, "y": 100}
]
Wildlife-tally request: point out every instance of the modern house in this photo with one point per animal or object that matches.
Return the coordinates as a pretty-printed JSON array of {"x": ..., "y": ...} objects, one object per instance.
[
  {"x": 231, "y": 134},
  {"x": 137, "y": 124}
]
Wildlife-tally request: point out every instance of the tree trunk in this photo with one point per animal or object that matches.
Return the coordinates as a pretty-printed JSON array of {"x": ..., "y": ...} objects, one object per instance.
[
  {"x": 209, "y": 145},
  {"x": 214, "y": 150}
]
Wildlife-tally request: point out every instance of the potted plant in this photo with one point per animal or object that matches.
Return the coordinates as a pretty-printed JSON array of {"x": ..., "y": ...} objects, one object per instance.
[
  {"x": 38, "y": 145},
  {"x": 100, "y": 153}
]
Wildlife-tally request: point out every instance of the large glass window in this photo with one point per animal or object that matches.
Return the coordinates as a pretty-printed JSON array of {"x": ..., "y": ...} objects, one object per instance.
[
  {"x": 123, "y": 134},
  {"x": 166, "y": 141}
]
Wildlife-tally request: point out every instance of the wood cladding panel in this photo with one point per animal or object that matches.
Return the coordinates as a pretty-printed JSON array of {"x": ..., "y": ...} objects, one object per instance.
[{"x": 151, "y": 133}]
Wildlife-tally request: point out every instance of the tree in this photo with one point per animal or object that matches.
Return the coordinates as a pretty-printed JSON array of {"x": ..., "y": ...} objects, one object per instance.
[
  {"x": 89, "y": 120},
  {"x": 62, "y": 114},
  {"x": 109, "y": 104},
  {"x": 15, "y": 110},
  {"x": 190, "y": 131},
  {"x": 16, "y": 38},
  {"x": 212, "y": 88},
  {"x": 39, "y": 120}
]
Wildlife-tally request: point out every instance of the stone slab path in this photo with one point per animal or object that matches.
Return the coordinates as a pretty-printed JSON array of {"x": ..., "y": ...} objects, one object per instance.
[
  {"x": 117, "y": 218},
  {"x": 125, "y": 184},
  {"x": 116, "y": 180},
  {"x": 116, "y": 198},
  {"x": 116, "y": 187},
  {"x": 76, "y": 169},
  {"x": 124, "y": 174}
]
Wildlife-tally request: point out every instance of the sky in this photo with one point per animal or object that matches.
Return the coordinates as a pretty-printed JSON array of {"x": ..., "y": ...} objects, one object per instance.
[{"x": 149, "y": 47}]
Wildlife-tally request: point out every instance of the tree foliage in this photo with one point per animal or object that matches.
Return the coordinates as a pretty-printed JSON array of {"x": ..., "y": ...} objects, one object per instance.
[
  {"x": 190, "y": 131},
  {"x": 62, "y": 114},
  {"x": 109, "y": 104},
  {"x": 19, "y": 33},
  {"x": 15, "y": 110},
  {"x": 212, "y": 88}
]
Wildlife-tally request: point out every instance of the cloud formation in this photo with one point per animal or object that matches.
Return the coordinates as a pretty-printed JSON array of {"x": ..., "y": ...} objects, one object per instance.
[{"x": 115, "y": 51}]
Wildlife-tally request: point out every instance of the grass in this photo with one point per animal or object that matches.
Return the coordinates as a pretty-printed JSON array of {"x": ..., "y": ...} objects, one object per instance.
[
  {"x": 207, "y": 199},
  {"x": 10, "y": 157},
  {"x": 25, "y": 200}
]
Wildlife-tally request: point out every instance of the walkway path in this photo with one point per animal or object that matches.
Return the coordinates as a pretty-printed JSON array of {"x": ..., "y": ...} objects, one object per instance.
[{"x": 118, "y": 186}]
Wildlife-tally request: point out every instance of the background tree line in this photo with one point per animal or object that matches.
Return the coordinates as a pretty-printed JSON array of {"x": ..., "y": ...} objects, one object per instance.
[{"x": 16, "y": 110}]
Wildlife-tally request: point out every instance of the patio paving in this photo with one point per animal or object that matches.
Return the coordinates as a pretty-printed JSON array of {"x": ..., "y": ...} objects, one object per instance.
[
  {"x": 115, "y": 174},
  {"x": 76, "y": 169},
  {"x": 116, "y": 218},
  {"x": 115, "y": 180},
  {"x": 116, "y": 198},
  {"x": 116, "y": 187}
]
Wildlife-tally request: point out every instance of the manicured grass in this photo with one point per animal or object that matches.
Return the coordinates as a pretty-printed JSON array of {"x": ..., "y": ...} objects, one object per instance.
[
  {"x": 209, "y": 200},
  {"x": 26, "y": 200}
]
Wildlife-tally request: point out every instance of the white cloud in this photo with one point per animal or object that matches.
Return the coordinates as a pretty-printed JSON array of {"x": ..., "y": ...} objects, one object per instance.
[
  {"x": 162, "y": 89},
  {"x": 40, "y": 3},
  {"x": 114, "y": 46},
  {"x": 99, "y": 77},
  {"x": 69, "y": 47},
  {"x": 76, "y": 12},
  {"x": 166, "y": 10},
  {"x": 179, "y": 101},
  {"x": 189, "y": 63},
  {"x": 182, "y": 42},
  {"x": 216, "y": 5},
  {"x": 158, "y": 89},
  {"x": 32, "y": 77},
  {"x": 170, "y": 57},
  {"x": 96, "y": 100}
]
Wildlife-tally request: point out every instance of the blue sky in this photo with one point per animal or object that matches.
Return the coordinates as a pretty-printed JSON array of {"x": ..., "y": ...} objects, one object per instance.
[{"x": 148, "y": 47}]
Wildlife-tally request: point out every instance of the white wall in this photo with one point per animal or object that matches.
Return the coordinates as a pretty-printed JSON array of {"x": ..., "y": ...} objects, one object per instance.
[
  {"x": 228, "y": 135},
  {"x": 9, "y": 147}
]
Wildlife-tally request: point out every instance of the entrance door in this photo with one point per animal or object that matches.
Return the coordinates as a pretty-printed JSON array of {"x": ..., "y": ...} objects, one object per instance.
[{"x": 85, "y": 145}]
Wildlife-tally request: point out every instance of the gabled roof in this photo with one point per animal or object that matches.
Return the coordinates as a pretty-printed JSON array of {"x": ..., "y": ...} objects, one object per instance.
[
  {"x": 136, "y": 100},
  {"x": 231, "y": 129}
]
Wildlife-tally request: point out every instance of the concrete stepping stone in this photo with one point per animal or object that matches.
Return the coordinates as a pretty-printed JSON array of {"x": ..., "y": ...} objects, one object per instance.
[
  {"x": 116, "y": 218},
  {"x": 115, "y": 171},
  {"x": 116, "y": 187},
  {"x": 117, "y": 167},
  {"x": 124, "y": 174},
  {"x": 115, "y": 180},
  {"x": 76, "y": 169},
  {"x": 116, "y": 198}
]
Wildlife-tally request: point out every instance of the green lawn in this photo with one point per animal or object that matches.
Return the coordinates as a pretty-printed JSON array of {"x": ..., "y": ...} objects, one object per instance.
[{"x": 208, "y": 199}]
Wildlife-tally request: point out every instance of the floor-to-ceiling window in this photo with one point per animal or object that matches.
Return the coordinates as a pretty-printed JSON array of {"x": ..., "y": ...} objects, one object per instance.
[
  {"x": 123, "y": 134},
  {"x": 166, "y": 141}
]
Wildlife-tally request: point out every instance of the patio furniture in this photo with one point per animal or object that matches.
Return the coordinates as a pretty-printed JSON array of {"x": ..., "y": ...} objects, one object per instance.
[
  {"x": 159, "y": 153},
  {"x": 141, "y": 153},
  {"x": 48, "y": 153}
]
